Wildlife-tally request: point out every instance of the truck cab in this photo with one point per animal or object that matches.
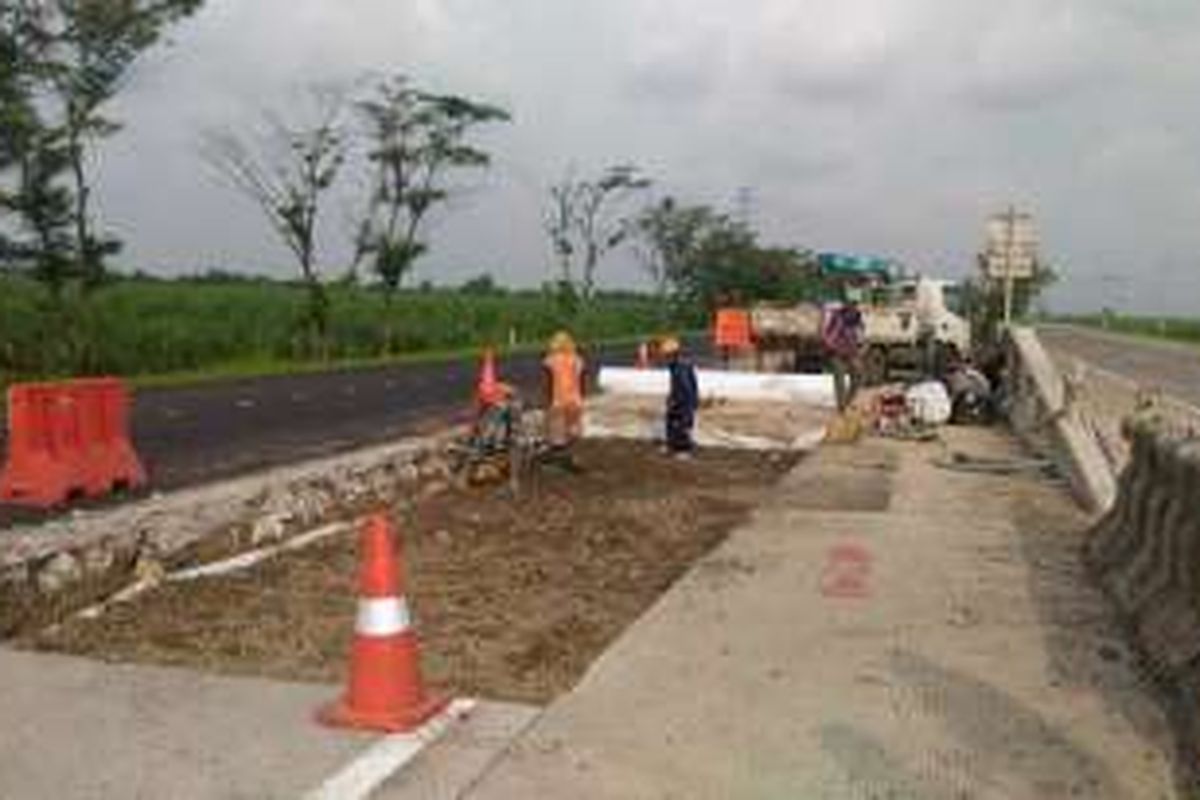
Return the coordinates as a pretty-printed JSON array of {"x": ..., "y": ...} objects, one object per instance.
[{"x": 912, "y": 323}]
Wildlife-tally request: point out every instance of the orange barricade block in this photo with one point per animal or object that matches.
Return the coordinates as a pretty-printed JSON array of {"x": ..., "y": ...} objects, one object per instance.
[
  {"x": 110, "y": 462},
  {"x": 732, "y": 329},
  {"x": 68, "y": 439},
  {"x": 34, "y": 474}
]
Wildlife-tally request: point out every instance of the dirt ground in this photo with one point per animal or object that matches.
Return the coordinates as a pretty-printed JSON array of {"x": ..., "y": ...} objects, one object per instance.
[{"x": 514, "y": 599}]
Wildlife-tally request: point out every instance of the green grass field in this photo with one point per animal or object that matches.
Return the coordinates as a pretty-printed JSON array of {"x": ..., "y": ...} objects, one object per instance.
[
  {"x": 1177, "y": 329},
  {"x": 183, "y": 331}
]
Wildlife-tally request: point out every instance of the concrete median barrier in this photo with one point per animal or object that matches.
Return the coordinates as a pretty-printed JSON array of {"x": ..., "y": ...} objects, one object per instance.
[
  {"x": 1144, "y": 549},
  {"x": 1042, "y": 413},
  {"x": 1145, "y": 552}
]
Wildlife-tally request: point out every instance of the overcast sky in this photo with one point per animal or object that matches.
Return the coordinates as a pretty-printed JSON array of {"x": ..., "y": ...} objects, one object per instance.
[{"x": 891, "y": 127}]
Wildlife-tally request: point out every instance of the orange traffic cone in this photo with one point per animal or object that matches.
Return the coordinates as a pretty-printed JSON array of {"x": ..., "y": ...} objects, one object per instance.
[
  {"x": 487, "y": 389},
  {"x": 643, "y": 356},
  {"x": 385, "y": 691}
]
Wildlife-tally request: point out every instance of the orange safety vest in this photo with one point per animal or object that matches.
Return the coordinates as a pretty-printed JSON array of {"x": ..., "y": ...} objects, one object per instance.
[{"x": 566, "y": 376}]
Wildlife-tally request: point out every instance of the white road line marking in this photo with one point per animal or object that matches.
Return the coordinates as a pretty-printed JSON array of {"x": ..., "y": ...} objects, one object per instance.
[{"x": 387, "y": 757}]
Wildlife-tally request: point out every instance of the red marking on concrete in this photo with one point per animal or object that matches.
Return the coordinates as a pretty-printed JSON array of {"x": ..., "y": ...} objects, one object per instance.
[{"x": 847, "y": 573}]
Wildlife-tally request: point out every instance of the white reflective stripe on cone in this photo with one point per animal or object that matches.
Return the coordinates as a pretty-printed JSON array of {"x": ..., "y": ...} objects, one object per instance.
[{"x": 382, "y": 616}]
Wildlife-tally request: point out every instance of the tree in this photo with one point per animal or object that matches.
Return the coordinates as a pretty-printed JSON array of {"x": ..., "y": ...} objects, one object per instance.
[
  {"x": 483, "y": 284},
  {"x": 32, "y": 155},
  {"x": 560, "y": 226},
  {"x": 703, "y": 258},
  {"x": 669, "y": 237},
  {"x": 287, "y": 169},
  {"x": 61, "y": 62},
  {"x": 64, "y": 61},
  {"x": 590, "y": 217},
  {"x": 415, "y": 140},
  {"x": 983, "y": 301}
]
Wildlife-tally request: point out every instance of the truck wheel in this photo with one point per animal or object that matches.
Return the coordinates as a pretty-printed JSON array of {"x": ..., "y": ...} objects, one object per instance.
[{"x": 875, "y": 366}]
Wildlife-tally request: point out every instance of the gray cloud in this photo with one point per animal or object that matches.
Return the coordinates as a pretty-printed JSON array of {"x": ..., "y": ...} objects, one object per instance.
[{"x": 869, "y": 125}]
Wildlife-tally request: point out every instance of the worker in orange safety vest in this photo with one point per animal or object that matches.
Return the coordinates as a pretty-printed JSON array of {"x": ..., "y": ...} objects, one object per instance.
[{"x": 564, "y": 371}]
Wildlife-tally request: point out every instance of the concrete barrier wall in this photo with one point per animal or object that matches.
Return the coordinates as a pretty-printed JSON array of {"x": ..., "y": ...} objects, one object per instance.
[
  {"x": 1108, "y": 402},
  {"x": 1145, "y": 553},
  {"x": 1044, "y": 417}
]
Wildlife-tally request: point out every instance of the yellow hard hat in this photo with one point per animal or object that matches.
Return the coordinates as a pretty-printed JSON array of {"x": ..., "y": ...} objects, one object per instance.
[
  {"x": 562, "y": 342},
  {"x": 668, "y": 345}
]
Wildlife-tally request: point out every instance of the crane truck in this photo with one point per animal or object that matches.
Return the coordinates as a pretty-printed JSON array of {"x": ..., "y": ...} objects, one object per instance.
[{"x": 909, "y": 323}]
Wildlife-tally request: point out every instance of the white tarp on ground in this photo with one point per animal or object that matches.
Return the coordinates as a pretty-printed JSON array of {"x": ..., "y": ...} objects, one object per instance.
[
  {"x": 810, "y": 390},
  {"x": 738, "y": 424}
]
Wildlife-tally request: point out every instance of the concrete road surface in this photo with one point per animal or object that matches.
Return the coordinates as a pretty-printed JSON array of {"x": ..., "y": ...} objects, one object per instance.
[
  {"x": 73, "y": 729},
  {"x": 946, "y": 648},
  {"x": 1170, "y": 366},
  {"x": 79, "y": 729}
]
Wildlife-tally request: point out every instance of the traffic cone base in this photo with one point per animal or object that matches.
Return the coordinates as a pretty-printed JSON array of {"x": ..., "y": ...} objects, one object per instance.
[{"x": 342, "y": 715}]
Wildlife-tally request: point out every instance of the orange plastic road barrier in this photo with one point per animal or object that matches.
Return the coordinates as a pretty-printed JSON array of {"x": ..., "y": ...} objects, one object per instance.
[
  {"x": 110, "y": 461},
  {"x": 488, "y": 391},
  {"x": 732, "y": 329},
  {"x": 385, "y": 691},
  {"x": 68, "y": 439},
  {"x": 36, "y": 472}
]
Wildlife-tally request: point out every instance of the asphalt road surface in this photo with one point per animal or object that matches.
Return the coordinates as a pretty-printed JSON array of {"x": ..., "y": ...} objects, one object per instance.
[
  {"x": 1171, "y": 367},
  {"x": 193, "y": 435}
]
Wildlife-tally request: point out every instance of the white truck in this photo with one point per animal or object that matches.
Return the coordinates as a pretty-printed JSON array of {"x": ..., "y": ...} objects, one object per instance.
[{"x": 908, "y": 324}]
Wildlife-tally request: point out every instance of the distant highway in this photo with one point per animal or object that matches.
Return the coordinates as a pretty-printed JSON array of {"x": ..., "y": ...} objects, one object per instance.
[{"x": 1172, "y": 367}]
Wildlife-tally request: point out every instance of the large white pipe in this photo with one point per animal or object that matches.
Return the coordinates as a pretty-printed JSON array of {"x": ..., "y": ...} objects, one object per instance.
[{"x": 814, "y": 390}]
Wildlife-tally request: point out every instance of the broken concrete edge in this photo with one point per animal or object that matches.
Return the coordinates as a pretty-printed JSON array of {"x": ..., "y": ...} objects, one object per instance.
[
  {"x": 50, "y": 571},
  {"x": 1044, "y": 419}
]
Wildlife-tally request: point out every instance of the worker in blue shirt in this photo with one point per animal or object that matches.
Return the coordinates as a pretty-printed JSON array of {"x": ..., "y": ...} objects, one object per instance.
[{"x": 683, "y": 400}]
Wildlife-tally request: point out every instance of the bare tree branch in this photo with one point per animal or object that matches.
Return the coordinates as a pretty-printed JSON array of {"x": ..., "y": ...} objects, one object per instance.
[{"x": 286, "y": 168}]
